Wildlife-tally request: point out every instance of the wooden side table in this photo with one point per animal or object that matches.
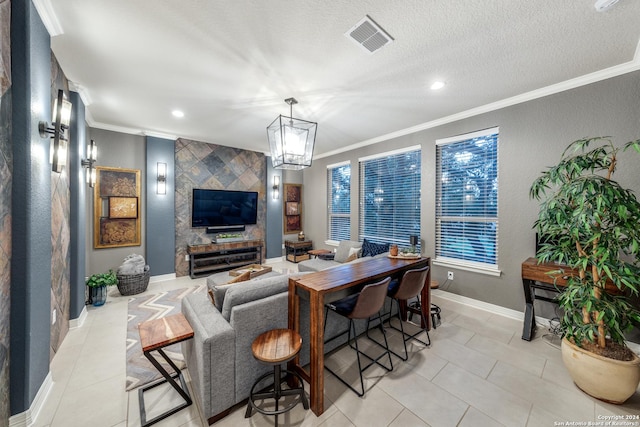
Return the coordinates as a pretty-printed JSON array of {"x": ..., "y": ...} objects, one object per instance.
[
  {"x": 316, "y": 252},
  {"x": 155, "y": 335},
  {"x": 298, "y": 250}
]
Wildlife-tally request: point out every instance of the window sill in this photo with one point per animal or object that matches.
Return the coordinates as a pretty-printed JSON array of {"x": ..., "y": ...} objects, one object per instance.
[{"x": 467, "y": 266}]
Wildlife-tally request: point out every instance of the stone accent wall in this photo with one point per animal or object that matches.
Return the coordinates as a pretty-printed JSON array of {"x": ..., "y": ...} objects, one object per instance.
[
  {"x": 6, "y": 173},
  {"x": 60, "y": 233},
  {"x": 216, "y": 167}
]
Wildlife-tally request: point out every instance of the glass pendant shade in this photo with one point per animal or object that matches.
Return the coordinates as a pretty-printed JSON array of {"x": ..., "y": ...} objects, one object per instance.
[{"x": 291, "y": 142}]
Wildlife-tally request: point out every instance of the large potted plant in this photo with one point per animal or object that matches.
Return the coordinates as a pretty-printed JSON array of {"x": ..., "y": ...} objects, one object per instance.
[
  {"x": 98, "y": 284},
  {"x": 592, "y": 225}
]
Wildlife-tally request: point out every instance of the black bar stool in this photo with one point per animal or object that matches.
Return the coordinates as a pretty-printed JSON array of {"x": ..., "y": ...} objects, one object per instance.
[
  {"x": 409, "y": 287},
  {"x": 362, "y": 305}
]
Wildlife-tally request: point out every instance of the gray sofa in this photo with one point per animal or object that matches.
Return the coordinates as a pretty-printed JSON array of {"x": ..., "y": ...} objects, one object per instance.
[
  {"x": 219, "y": 358},
  {"x": 344, "y": 250}
]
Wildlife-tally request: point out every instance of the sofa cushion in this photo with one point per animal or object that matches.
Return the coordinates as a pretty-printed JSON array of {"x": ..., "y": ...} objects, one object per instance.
[
  {"x": 316, "y": 265},
  {"x": 373, "y": 249},
  {"x": 342, "y": 253}
]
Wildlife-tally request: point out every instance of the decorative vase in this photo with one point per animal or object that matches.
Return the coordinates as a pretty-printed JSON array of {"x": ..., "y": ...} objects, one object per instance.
[
  {"x": 98, "y": 295},
  {"x": 610, "y": 380},
  {"x": 393, "y": 250}
]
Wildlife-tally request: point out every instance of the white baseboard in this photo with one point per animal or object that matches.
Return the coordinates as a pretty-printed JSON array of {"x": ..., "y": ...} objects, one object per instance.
[
  {"x": 274, "y": 260},
  {"x": 162, "y": 277},
  {"x": 492, "y": 308},
  {"x": 27, "y": 418},
  {"x": 78, "y": 322}
]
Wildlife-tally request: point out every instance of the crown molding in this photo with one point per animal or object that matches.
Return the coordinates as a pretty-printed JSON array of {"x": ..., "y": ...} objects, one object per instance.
[
  {"x": 49, "y": 17},
  {"x": 584, "y": 80}
]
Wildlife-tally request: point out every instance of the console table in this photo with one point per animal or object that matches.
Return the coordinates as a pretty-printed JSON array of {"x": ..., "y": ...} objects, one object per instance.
[
  {"x": 539, "y": 276},
  {"x": 208, "y": 259},
  {"x": 332, "y": 284}
]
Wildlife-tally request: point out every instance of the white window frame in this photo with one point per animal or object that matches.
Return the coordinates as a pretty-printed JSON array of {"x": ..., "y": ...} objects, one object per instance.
[
  {"x": 404, "y": 241},
  {"x": 480, "y": 267},
  {"x": 330, "y": 214}
]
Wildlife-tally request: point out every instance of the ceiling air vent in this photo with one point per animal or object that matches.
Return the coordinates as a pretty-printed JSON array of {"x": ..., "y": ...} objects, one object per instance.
[{"x": 368, "y": 35}]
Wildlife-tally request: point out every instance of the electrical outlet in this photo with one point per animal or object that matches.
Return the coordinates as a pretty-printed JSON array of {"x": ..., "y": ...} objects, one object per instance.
[
  {"x": 53, "y": 317},
  {"x": 449, "y": 275},
  {"x": 186, "y": 257}
]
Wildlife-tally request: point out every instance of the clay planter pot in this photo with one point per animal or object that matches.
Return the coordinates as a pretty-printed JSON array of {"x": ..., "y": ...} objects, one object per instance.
[{"x": 613, "y": 381}]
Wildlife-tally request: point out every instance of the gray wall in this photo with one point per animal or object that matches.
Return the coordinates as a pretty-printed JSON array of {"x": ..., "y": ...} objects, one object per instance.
[
  {"x": 118, "y": 150},
  {"x": 532, "y": 137},
  {"x": 274, "y": 225},
  {"x": 77, "y": 214},
  {"x": 160, "y": 219},
  {"x": 31, "y": 210}
]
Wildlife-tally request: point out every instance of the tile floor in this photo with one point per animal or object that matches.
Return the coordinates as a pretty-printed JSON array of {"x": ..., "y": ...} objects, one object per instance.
[{"x": 477, "y": 372}]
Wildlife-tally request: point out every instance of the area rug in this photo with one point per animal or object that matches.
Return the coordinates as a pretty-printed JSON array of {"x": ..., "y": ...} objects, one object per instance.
[{"x": 148, "y": 307}]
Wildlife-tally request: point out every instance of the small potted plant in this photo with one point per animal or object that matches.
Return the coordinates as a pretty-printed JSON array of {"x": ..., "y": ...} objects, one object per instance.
[
  {"x": 98, "y": 284},
  {"x": 591, "y": 224}
]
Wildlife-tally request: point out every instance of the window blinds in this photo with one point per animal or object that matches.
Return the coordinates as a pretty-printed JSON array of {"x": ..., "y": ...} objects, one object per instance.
[
  {"x": 390, "y": 196},
  {"x": 467, "y": 199}
]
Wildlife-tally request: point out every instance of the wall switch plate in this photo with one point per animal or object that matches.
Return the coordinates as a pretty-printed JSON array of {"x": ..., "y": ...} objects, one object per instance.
[
  {"x": 53, "y": 317},
  {"x": 449, "y": 275},
  {"x": 186, "y": 257}
]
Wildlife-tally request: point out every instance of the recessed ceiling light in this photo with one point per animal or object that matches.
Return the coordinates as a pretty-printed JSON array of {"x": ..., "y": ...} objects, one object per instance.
[
  {"x": 437, "y": 85},
  {"x": 177, "y": 113}
]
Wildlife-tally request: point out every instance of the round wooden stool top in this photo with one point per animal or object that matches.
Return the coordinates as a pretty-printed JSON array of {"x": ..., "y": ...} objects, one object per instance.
[
  {"x": 276, "y": 346},
  {"x": 434, "y": 284}
]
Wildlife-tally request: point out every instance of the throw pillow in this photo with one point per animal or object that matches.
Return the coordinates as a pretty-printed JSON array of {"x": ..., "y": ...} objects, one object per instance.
[
  {"x": 220, "y": 290},
  {"x": 373, "y": 249},
  {"x": 353, "y": 254}
]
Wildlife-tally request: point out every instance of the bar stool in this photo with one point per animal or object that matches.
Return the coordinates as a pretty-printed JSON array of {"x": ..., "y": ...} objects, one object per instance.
[
  {"x": 362, "y": 305},
  {"x": 276, "y": 347},
  {"x": 409, "y": 287}
]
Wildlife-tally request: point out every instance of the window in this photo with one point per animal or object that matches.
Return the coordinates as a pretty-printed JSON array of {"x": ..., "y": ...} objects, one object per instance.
[
  {"x": 467, "y": 200},
  {"x": 390, "y": 196},
  {"x": 339, "y": 189}
]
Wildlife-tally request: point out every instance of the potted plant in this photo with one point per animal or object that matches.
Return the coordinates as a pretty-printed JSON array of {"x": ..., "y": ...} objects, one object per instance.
[
  {"x": 97, "y": 284},
  {"x": 592, "y": 225}
]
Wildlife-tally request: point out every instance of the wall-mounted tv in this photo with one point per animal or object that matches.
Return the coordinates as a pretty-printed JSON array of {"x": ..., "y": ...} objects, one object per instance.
[{"x": 215, "y": 208}]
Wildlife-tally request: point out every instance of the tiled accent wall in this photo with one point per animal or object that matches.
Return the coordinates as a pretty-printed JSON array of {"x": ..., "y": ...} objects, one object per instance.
[
  {"x": 6, "y": 172},
  {"x": 60, "y": 234},
  {"x": 202, "y": 165}
]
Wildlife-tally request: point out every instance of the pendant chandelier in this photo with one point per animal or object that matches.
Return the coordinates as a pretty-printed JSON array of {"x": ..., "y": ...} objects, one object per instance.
[{"x": 291, "y": 140}]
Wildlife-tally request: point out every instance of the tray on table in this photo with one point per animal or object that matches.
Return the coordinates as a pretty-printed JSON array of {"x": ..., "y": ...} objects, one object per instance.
[{"x": 255, "y": 269}]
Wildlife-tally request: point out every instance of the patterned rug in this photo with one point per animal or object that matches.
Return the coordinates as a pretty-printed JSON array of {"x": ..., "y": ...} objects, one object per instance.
[{"x": 148, "y": 307}]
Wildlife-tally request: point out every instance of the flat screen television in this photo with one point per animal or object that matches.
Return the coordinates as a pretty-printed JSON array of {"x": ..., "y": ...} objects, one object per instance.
[{"x": 216, "y": 208}]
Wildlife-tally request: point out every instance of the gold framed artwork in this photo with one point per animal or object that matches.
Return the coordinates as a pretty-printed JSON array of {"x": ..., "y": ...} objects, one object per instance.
[
  {"x": 116, "y": 221},
  {"x": 123, "y": 207},
  {"x": 292, "y": 208}
]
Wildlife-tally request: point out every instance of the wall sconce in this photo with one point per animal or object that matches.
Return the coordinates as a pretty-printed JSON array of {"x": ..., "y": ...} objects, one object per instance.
[
  {"x": 276, "y": 187},
  {"x": 61, "y": 119},
  {"x": 162, "y": 178},
  {"x": 89, "y": 163}
]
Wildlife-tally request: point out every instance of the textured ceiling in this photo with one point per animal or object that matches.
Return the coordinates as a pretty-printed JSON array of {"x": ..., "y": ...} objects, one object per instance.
[{"x": 229, "y": 64}]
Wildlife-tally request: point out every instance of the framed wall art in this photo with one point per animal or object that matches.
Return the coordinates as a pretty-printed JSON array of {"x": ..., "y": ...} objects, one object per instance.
[
  {"x": 292, "y": 208},
  {"x": 116, "y": 219}
]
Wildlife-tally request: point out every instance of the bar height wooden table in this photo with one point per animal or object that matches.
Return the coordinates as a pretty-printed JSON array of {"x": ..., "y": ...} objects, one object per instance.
[{"x": 329, "y": 285}]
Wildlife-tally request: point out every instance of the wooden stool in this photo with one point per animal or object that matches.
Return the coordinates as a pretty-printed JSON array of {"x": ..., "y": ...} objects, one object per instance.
[{"x": 276, "y": 347}]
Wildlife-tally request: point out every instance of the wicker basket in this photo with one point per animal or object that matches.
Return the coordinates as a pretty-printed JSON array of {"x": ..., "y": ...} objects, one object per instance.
[{"x": 131, "y": 284}]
